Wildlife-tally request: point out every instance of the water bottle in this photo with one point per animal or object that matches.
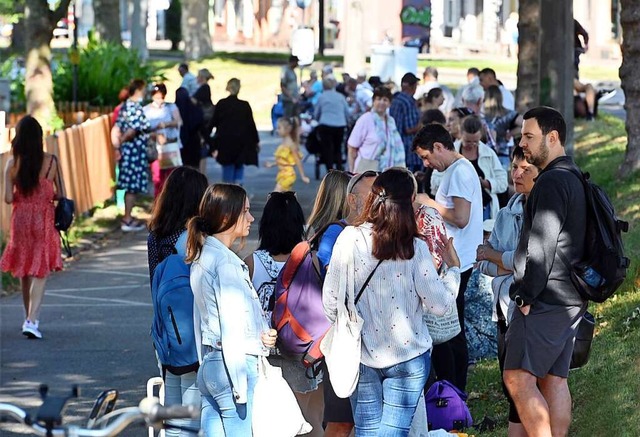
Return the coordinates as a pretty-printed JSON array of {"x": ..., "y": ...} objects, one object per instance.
[{"x": 591, "y": 277}]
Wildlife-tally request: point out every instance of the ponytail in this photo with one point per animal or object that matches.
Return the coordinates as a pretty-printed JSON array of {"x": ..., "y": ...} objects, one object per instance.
[
  {"x": 295, "y": 130},
  {"x": 196, "y": 234}
]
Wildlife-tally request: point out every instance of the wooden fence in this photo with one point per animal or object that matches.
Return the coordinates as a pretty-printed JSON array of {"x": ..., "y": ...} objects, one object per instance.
[{"x": 86, "y": 161}]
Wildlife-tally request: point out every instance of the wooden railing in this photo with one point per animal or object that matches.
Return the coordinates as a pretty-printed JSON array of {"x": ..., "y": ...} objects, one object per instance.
[{"x": 86, "y": 161}]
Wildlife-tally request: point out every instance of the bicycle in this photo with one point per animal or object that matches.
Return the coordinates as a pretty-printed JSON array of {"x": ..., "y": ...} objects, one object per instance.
[{"x": 104, "y": 420}]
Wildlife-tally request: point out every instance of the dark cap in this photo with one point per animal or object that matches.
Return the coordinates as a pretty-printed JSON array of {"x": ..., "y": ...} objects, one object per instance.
[
  {"x": 293, "y": 58},
  {"x": 410, "y": 79}
]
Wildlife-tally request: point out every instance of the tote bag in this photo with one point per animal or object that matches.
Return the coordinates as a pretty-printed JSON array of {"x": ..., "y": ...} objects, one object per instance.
[
  {"x": 275, "y": 409},
  {"x": 169, "y": 155},
  {"x": 443, "y": 328}
]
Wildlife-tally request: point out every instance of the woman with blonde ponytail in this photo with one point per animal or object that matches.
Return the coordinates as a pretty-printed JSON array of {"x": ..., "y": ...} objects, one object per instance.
[
  {"x": 395, "y": 355},
  {"x": 229, "y": 320}
]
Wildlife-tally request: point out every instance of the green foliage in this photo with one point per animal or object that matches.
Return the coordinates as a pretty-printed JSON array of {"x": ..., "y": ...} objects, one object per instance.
[
  {"x": 10, "y": 69},
  {"x": 104, "y": 69}
]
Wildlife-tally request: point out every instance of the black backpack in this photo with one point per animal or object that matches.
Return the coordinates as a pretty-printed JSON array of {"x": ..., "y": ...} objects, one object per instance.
[{"x": 603, "y": 267}]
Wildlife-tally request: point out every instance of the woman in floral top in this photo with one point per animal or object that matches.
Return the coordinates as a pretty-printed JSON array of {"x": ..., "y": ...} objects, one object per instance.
[{"x": 131, "y": 154}]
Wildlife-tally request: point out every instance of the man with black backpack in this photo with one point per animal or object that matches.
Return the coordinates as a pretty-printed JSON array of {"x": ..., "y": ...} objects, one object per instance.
[{"x": 540, "y": 339}]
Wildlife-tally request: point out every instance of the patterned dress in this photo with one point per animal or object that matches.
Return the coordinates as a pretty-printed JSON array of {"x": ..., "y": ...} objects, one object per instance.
[
  {"x": 134, "y": 167},
  {"x": 34, "y": 243}
]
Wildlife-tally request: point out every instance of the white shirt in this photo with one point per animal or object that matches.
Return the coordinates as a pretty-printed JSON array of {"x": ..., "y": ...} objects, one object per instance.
[
  {"x": 508, "y": 101},
  {"x": 461, "y": 180},
  {"x": 393, "y": 304}
]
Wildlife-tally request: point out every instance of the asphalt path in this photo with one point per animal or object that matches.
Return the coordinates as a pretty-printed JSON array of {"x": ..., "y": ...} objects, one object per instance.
[{"x": 97, "y": 314}]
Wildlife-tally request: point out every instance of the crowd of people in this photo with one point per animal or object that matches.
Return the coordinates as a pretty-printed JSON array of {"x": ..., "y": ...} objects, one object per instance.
[{"x": 415, "y": 203}]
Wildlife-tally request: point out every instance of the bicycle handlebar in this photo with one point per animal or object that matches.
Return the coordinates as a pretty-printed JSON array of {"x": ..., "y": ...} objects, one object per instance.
[{"x": 149, "y": 411}]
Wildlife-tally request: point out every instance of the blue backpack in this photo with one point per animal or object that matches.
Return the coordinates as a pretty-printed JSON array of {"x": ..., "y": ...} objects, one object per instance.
[{"x": 172, "y": 329}]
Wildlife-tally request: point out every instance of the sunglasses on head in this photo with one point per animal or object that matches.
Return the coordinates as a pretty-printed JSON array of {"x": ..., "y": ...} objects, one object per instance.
[{"x": 357, "y": 177}]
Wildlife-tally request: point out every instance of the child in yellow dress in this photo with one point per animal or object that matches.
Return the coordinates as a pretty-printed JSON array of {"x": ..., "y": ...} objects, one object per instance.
[{"x": 287, "y": 155}]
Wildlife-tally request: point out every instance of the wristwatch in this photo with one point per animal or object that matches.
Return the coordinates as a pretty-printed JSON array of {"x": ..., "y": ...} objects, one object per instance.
[{"x": 519, "y": 301}]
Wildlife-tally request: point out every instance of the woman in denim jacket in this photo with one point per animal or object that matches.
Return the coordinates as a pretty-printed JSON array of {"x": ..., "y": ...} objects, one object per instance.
[{"x": 229, "y": 321}]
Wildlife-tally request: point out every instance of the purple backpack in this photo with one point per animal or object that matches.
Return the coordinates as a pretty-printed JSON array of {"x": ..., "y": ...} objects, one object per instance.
[
  {"x": 298, "y": 313},
  {"x": 446, "y": 407}
]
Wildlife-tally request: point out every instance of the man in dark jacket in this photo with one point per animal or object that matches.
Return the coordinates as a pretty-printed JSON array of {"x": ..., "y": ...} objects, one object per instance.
[{"x": 539, "y": 342}]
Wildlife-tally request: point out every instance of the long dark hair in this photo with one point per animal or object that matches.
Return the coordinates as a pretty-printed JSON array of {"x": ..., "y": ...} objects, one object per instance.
[
  {"x": 178, "y": 201},
  {"x": 28, "y": 154},
  {"x": 220, "y": 209},
  {"x": 282, "y": 224},
  {"x": 390, "y": 211}
]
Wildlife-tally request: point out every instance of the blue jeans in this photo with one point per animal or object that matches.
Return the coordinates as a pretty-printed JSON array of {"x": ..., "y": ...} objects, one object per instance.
[
  {"x": 385, "y": 400},
  {"x": 181, "y": 390},
  {"x": 233, "y": 174},
  {"x": 220, "y": 415}
]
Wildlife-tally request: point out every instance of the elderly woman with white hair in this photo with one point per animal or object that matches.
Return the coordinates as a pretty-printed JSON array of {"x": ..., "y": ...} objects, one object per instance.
[{"x": 332, "y": 113}]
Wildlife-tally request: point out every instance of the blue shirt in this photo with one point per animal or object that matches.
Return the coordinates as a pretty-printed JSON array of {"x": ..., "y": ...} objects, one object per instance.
[
  {"x": 325, "y": 247},
  {"x": 405, "y": 112}
]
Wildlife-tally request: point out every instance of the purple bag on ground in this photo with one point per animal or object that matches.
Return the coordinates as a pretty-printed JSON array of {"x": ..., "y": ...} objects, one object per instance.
[{"x": 446, "y": 407}]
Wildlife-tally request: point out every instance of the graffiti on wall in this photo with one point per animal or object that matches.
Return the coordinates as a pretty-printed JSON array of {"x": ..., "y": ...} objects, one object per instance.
[{"x": 416, "y": 22}]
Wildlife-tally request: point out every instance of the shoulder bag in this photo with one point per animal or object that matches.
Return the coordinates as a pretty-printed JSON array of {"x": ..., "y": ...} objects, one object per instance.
[
  {"x": 443, "y": 328},
  {"x": 341, "y": 344},
  {"x": 65, "y": 211}
]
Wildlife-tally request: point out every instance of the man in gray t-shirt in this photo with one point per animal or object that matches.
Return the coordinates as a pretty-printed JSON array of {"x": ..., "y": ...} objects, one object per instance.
[{"x": 290, "y": 88}]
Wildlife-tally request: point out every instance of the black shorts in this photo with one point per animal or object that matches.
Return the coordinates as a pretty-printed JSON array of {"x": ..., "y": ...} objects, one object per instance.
[
  {"x": 336, "y": 410},
  {"x": 542, "y": 341}
]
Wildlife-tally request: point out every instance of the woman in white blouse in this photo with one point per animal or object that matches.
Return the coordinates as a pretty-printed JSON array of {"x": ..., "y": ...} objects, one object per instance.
[{"x": 396, "y": 344}]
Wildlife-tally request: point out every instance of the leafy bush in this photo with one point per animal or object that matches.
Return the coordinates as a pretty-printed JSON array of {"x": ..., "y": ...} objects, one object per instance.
[
  {"x": 13, "y": 69},
  {"x": 104, "y": 69}
]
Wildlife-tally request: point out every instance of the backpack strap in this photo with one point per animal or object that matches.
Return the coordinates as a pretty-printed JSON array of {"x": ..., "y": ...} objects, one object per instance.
[
  {"x": 316, "y": 237},
  {"x": 366, "y": 282},
  {"x": 181, "y": 244},
  {"x": 53, "y": 158}
]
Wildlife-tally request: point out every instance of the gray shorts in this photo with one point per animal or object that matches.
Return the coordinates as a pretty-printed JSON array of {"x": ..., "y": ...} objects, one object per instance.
[{"x": 542, "y": 342}]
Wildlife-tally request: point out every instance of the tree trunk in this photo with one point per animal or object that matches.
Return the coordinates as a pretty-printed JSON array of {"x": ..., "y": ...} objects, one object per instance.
[
  {"x": 139, "y": 21},
  {"x": 107, "y": 13},
  {"x": 174, "y": 24},
  {"x": 195, "y": 29},
  {"x": 528, "y": 90},
  {"x": 630, "y": 77},
  {"x": 39, "y": 24}
]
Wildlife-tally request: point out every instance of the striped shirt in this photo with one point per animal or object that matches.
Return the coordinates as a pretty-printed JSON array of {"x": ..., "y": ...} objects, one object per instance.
[{"x": 393, "y": 303}]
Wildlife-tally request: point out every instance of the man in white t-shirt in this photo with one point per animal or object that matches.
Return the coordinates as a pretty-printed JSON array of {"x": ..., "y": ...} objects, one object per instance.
[{"x": 459, "y": 201}]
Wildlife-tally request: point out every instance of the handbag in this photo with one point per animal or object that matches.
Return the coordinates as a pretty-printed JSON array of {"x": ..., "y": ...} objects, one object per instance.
[
  {"x": 582, "y": 344},
  {"x": 169, "y": 155},
  {"x": 64, "y": 213},
  {"x": 443, "y": 328},
  {"x": 341, "y": 344},
  {"x": 365, "y": 164},
  {"x": 276, "y": 412},
  {"x": 152, "y": 151}
]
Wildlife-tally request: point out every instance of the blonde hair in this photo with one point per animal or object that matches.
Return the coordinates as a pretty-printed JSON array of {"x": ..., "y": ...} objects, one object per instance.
[
  {"x": 330, "y": 204},
  {"x": 233, "y": 86},
  {"x": 493, "y": 106}
]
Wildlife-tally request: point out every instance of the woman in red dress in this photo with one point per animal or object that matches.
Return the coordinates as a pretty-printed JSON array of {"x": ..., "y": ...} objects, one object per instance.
[{"x": 34, "y": 243}]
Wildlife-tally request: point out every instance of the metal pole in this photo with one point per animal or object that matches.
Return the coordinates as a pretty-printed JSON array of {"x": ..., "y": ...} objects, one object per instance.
[
  {"x": 75, "y": 50},
  {"x": 321, "y": 41}
]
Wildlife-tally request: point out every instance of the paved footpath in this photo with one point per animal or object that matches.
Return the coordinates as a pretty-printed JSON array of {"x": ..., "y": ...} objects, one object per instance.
[{"x": 97, "y": 314}]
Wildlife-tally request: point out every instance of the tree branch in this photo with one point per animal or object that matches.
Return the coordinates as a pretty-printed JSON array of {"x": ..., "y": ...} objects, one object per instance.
[{"x": 60, "y": 12}]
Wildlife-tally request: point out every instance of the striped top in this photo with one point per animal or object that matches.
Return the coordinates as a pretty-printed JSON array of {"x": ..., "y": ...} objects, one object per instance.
[{"x": 395, "y": 300}]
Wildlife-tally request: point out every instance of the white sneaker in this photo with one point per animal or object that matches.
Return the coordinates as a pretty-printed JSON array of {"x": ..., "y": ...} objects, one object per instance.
[
  {"x": 31, "y": 330},
  {"x": 132, "y": 225}
]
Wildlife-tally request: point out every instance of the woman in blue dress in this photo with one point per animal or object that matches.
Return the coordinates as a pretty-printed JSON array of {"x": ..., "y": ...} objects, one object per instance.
[{"x": 132, "y": 153}]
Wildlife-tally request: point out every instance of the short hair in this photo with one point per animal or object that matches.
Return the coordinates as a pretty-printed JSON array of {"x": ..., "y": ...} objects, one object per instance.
[
  {"x": 233, "y": 86},
  {"x": 474, "y": 71},
  {"x": 433, "y": 93},
  {"x": 548, "y": 119},
  {"x": 375, "y": 81},
  {"x": 433, "y": 116},
  {"x": 329, "y": 82},
  {"x": 518, "y": 153},
  {"x": 473, "y": 93},
  {"x": 472, "y": 124},
  {"x": 184, "y": 66},
  {"x": 489, "y": 72},
  {"x": 282, "y": 224},
  {"x": 430, "y": 71},
  {"x": 431, "y": 134},
  {"x": 382, "y": 91}
]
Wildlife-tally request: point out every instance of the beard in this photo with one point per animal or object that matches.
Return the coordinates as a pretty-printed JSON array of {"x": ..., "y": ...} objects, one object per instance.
[{"x": 541, "y": 156}]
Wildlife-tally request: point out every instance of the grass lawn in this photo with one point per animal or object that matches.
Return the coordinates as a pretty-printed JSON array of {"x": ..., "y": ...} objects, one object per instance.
[{"x": 606, "y": 392}]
